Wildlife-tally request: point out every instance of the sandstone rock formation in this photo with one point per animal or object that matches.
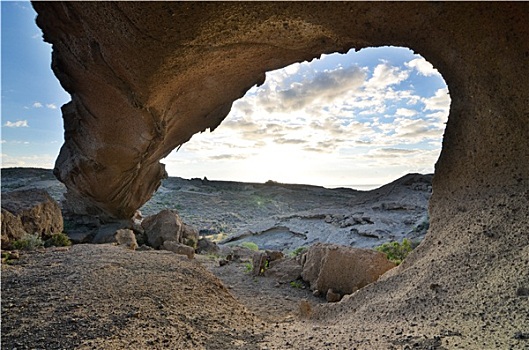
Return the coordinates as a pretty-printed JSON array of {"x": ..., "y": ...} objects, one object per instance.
[
  {"x": 164, "y": 226},
  {"x": 342, "y": 269},
  {"x": 31, "y": 212},
  {"x": 145, "y": 77}
]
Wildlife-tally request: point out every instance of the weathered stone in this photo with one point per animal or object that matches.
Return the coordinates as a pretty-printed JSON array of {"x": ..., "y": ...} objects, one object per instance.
[
  {"x": 190, "y": 236},
  {"x": 164, "y": 226},
  {"x": 139, "y": 95},
  {"x": 178, "y": 248},
  {"x": 259, "y": 263},
  {"x": 37, "y": 211},
  {"x": 332, "y": 296},
  {"x": 284, "y": 270},
  {"x": 206, "y": 246},
  {"x": 12, "y": 228},
  {"x": 126, "y": 237},
  {"x": 343, "y": 269},
  {"x": 106, "y": 233}
]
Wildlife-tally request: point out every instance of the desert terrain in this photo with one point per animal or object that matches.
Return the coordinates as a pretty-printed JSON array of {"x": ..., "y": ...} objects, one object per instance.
[{"x": 90, "y": 296}]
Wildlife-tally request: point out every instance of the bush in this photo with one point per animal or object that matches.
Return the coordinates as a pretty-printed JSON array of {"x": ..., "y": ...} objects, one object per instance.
[
  {"x": 59, "y": 240},
  {"x": 297, "y": 284},
  {"x": 250, "y": 245},
  {"x": 298, "y": 251},
  {"x": 28, "y": 242},
  {"x": 396, "y": 252}
]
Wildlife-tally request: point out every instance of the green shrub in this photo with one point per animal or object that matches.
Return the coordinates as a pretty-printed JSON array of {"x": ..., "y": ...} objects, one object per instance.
[
  {"x": 249, "y": 267},
  {"x": 59, "y": 240},
  {"x": 298, "y": 251},
  {"x": 250, "y": 245},
  {"x": 395, "y": 251},
  {"x": 28, "y": 242},
  {"x": 296, "y": 284}
]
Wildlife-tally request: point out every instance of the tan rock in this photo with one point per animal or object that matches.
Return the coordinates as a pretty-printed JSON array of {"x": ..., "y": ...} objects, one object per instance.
[
  {"x": 332, "y": 296},
  {"x": 164, "y": 226},
  {"x": 36, "y": 211},
  {"x": 179, "y": 248},
  {"x": 342, "y": 269},
  {"x": 12, "y": 228},
  {"x": 127, "y": 238}
]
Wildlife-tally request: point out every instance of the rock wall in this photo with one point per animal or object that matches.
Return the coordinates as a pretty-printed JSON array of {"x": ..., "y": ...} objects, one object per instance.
[{"x": 145, "y": 77}]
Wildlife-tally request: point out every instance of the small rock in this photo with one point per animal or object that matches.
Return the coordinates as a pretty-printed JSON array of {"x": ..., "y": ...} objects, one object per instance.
[
  {"x": 223, "y": 262},
  {"x": 127, "y": 238},
  {"x": 332, "y": 296},
  {"x": 179, "y": 248},
  {"x": 305, "y": 309}
]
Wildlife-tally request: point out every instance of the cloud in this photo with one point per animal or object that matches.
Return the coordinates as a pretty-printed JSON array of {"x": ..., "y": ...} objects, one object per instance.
[
  {"x": 284, "y": 141},
  {"x": 3, "y": 141},
  {"x": 405, "y": 112},
  {"x": 385, "y": 75},
  {"x": 323, "y": 87},
  {"x": 17, "y": 124},
  {"x": 422, "y": 66},
  {"x": 440, "y": 101},
  {"x": 228, "y": 157},
  {"x": 51, "y": 106},
  {"x": 37, "y": 105}
]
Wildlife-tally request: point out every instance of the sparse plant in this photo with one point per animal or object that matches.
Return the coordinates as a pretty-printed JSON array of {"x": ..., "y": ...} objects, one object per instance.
[
  {"x": 28, "y": 242},
  {"x": 58, "y": 240},
  {"x": 250, "y": 245},
  {"x": 296, "y": 284},
  {"x": 298, "y": 251},
  {"x": 249, "y": 267},
  {"x": 396, "y": 252}
]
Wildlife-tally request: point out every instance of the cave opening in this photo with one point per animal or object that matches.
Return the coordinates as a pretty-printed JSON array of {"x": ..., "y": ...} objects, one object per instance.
[{"x": 358, "y": 124}]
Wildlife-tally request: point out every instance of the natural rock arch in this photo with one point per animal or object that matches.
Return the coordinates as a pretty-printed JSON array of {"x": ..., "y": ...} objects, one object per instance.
[{"x": 144, "y": 77}]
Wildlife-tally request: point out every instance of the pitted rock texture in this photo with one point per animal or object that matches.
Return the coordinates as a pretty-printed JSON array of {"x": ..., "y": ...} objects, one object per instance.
[
  {"x": 144, "y": 77},
  {"x": 29, "y": 212}
]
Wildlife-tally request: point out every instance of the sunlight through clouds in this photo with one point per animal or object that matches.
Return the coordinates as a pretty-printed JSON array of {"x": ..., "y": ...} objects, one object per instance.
[{"x": 370, "y": 120}]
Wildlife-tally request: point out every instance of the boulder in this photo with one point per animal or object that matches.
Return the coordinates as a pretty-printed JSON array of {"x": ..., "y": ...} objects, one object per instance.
[
  {"x": 179, "y": 248},
  {"x": 190, "y": 236},
  {"x": 284, "y": 270},
  {"x": 164, "y": 226},
  {"x": 127, "y": 238},
  {"x": 207, "y": 246},
  {"x": 30, "y": 211},
  {"x": 106, "y": 233},
  {"x": 12, "y": 228},
  {"x": 263, "y": 260},
  {"x": 342, "y": 269}
]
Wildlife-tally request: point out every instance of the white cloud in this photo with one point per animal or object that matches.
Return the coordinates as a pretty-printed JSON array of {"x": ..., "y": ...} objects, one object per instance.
[
  {"x": 37, "y": 105},
  {"x": 385, "y": 75},
  {"x": 405, "y": 112},
  {"x": 51, "y": 106},
  {"x": 3, "y": 141},
  {"x": 439, "y": 102},
  {"x": 17, "y": 124},
  {"x": 422, "y": 66}
]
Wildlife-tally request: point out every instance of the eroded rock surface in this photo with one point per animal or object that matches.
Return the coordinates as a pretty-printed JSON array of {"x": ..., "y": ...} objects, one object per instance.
[
  {"x": 29, "y": 212},
  {"x": 145, "y": 77},
  {"x": 342, "y": 269}
]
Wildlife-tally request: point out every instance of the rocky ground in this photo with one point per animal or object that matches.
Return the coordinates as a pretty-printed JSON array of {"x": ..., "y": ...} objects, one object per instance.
[{"x": 108, "y": 297}]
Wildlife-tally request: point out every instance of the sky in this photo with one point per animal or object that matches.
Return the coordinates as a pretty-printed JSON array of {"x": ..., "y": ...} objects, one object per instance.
[{"x": 360, "y": 119}]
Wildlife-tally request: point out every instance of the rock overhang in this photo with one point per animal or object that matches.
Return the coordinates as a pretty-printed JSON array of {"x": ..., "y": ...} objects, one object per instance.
[{"x": 144, "y": 77}]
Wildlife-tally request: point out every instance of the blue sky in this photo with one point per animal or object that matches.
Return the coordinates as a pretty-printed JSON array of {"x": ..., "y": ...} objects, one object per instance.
[{"x": 361, "y": 118}]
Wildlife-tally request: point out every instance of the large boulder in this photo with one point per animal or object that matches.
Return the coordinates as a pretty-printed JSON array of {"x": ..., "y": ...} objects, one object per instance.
[
  {"x": 342, "y": 269},
  {"x": 164, "y": 226},
  {"x": 12, "y": 228},
  {"x": 30, "y": 211}
]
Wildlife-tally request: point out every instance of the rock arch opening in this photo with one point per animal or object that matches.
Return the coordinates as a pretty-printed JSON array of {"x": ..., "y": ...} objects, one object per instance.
[
  {"x": 363, "y": 118},
  {"x": 175, "y": 69},
  {"x": 358, "y": 120}
]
